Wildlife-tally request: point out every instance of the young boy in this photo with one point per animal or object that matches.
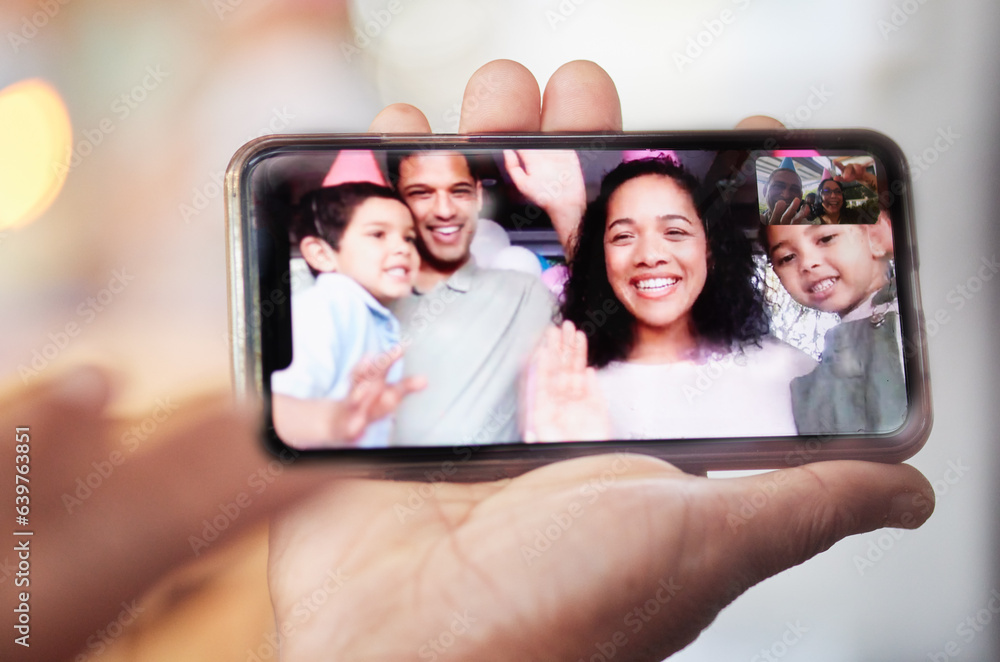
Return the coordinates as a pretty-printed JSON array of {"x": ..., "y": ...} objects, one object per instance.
[
  {"x": 844, "y": 269},
  {"x": 344, "y": 378}
]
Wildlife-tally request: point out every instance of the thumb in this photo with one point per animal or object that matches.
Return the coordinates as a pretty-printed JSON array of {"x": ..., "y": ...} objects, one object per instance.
[{"x": 780, "y": 519}]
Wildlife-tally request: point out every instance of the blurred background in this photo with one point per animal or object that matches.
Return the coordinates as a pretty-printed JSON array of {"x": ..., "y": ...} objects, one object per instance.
[{"x": 117, "y": 121}]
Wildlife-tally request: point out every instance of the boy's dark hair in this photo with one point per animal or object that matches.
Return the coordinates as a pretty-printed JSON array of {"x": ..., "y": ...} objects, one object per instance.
[
  {"x": 730, "y": 308},
  {"x": 326, "y": 212}
]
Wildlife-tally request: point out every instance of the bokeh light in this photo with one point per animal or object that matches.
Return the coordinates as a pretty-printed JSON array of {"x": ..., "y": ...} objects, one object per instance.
[{"x": 35, "y": 143}]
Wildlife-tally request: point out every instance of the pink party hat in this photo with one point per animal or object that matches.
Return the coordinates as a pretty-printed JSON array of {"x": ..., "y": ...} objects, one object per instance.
[{"x": 354, "y": 165}]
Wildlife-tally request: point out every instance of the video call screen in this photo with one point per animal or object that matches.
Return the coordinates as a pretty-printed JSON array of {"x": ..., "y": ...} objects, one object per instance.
[{"x": 460, "y": 298}]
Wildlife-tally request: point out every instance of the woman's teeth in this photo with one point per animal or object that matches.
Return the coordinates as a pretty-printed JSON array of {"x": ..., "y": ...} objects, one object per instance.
[{"x": 655, "y": 283}]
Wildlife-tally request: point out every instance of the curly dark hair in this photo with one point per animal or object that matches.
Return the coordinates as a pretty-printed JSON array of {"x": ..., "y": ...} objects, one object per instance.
[{"x": 730, "y": 308}]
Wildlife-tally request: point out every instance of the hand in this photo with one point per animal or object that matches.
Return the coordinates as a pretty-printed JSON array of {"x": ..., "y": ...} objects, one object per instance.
[
  {"x": 553, "y": 180},
  {"x": 309, "y": 423},
  {"x": 564, "y": 400},
  {"x": 116, "y": 505},
  {"x": 855, "y": 172},
  {"x": 795, "y": 213},
  {"x": 613, "y": 548},
  {"x": 552, "y": 563},
  {"x": 371, "y": 398}
]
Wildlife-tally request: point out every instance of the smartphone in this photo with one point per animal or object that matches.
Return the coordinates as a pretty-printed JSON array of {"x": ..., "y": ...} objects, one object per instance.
[{"x": 467, "y": 307}]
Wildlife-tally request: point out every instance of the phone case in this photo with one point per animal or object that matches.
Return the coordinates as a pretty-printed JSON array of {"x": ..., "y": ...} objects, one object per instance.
[{"x": 737, "y": 176}]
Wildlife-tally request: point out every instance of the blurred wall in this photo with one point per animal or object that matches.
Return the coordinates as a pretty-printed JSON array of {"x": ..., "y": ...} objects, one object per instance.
[{"x": 160, "y": 95}]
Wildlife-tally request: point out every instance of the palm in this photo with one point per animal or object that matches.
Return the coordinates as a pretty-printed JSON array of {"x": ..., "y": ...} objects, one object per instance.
[
  {"x": 474, "y": 566},
  {"x": 553, "y": 180},
  {"x": 564, "y": 400},
  {"x": 573, "y": 416},
  {"x": 611, "y": 550}
]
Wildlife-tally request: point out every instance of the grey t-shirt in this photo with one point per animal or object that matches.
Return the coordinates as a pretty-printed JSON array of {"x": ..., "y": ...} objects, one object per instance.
[{"x": 471, "y": 337}]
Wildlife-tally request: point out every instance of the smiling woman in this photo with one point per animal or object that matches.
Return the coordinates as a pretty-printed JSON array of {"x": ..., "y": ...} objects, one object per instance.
[{"x": 687, "y": 355}]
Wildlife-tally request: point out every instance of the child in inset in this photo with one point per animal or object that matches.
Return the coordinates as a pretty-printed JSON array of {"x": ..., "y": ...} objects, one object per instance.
[
  {"x": 345, "y": 376},
  {"x": 845, "y": 269}
]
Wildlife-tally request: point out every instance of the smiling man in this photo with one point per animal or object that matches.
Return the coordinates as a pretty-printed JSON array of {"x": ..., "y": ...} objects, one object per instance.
[
  {"x": 468, "y": 330},
  {"x": 783, "y": 194},
  {"x": 445, "y": 200}
]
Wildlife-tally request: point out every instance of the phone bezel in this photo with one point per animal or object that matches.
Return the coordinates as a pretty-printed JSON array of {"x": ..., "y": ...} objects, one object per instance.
[{"x": 249, "y": 338}]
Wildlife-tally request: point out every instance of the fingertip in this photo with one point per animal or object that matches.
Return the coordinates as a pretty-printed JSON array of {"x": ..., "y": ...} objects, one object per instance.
[
  {"x": 915, "y": 502},
  {"x": 568, "y": 334},
  {"x": 400, "y": 118},
  {"x": 414, "y": 383},
  {"x": 759, "y": 122},
  {"x": 501, "y": 95},
  {"x": 909, "y": 510},
  {"x": 511, "y": 160},
  {"x": 803, "y": 511},
  {"x": 86, "y": 387},
  {"x": 581, "y": 96}
]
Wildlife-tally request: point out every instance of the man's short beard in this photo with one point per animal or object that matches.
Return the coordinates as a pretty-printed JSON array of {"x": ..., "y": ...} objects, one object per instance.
[{"x": 441, "y": 266}]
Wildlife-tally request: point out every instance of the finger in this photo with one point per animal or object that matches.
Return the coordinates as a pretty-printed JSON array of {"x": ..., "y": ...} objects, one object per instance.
[
  {"x": 376, "y": 369},
  {"x": 567, "y": 351},
  {"x": 86, "y": 388},
  {"x": 390, "y": 397},
  {"x": 363, "y": 410},
  {"x": 804, "y": 511},
  {"x": 514, "y": 168},
  {"x": 154, "y": 508},
  {"x": 580, "y": 96},
  {"x": 357, "y": 393},
  {"x": 410, "y": 385},
  {"x": 400, "y": 118},
  {"x": 567, "y": 379},
  {"x": 580, "y": 355},
  {"x": 70, "y": 404},
  {"x": 759, "y": 122},
  {"x": 391, "y": 356},
  {"x": 777, "y": 216},
  {"x": 369, "y": 394},
  {"x": 788, "y": 218},
  {"x": 362, "y": 371},
  {"x": 576, "y": 367},
  {"x": 502, "y": 95}
]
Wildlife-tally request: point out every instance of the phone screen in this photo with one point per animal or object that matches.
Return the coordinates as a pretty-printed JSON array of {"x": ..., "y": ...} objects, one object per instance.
[{"x": 467, "y": 296}]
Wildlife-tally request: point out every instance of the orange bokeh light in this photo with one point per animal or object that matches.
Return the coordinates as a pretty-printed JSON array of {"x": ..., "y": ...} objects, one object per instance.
[{"x": 35, "y": 143}]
